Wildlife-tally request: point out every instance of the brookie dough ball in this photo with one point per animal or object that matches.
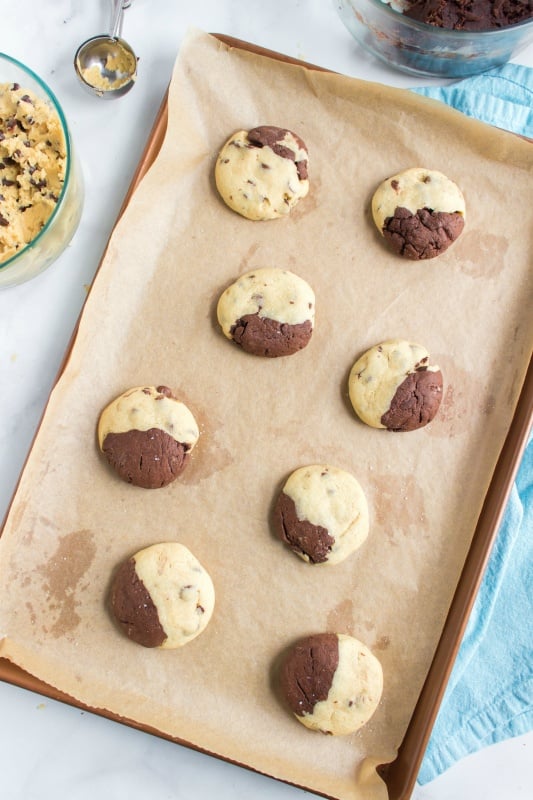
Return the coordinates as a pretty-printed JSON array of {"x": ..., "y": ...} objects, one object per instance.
[
  {"x": 162, "y": 596},
  {"x": 331, "y": 682},
  {"x": 322, "y": 514},
  {"x": 420, "y": 212},
  {"x": 262, "y": 174},
  {"x": 146, "y": 435},
  {"x": 394, "y": 386},
  {"x": 268, "y": 312}
]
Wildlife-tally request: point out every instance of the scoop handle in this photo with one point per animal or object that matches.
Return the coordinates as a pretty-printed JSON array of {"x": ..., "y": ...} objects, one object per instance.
[{"x": 117, "y": 13}]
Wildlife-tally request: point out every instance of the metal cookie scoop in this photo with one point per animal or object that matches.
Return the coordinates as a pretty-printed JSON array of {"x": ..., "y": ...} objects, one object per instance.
[{"x": 106, "y": 65}]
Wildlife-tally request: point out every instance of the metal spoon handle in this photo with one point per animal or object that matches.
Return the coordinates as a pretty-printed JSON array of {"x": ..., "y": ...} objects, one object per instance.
[{"x": 116, "y": 17}]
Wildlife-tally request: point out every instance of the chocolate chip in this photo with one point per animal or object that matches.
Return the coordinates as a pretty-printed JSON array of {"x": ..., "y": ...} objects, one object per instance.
[{"x": 42, "y": 184}]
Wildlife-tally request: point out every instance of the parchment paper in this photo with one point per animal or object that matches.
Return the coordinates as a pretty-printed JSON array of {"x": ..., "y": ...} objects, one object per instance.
[{"x": 150, "y": 319}]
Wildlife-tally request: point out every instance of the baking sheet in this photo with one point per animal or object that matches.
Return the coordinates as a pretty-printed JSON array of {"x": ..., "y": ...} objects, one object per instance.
[{"x": 150, "y": 318}]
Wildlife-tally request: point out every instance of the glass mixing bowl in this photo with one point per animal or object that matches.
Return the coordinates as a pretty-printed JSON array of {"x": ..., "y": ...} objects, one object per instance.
[
  {"x": 422, "y": 49},
  {"x": 56, "y": 233}
]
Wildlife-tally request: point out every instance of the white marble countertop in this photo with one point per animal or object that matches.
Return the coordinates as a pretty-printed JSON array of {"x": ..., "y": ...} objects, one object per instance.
[{"x": 49, "y": 750}]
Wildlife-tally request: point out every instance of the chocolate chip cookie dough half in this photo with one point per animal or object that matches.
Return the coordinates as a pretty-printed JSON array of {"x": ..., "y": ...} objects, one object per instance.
[
  {"x": 331, "y": 682},
  {"x": 147, "y": 435},
  {"x": 394, "y": 386},
  {"x": 420, "y": 212},
  {"x": 322, "y": 514},
  {"x": 162, "y": 596},
  {"x": 262, "y": 173},
  {"x": 268, "y": 312}
]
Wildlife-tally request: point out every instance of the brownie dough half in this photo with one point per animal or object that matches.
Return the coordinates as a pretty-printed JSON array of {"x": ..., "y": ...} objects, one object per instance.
[
  {"x": 322, "y": 514},
  {"x": 268, "y": 312},
  {"x": 146, "y": 435},
  {"x": 331, "y": 682},
  {"x": 394, "y": 386},
  {"x": 162, "y": 596},
  {"x": 262, "y": 173},
  {"x": 419, "y": 212}
]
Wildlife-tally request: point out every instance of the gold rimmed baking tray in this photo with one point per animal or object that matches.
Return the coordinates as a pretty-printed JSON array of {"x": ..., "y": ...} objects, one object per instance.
[{"x": 399, "y": 774}]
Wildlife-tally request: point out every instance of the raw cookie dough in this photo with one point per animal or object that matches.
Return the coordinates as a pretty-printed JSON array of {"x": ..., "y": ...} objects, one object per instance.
[
  {"x": 162, "y": 596},
  {"x": 331, "y": 682},
  {"x": 118, "y": 70},
  {"x": 268, "y": 312},
  {"x": 420, "y": 212},
  {"x": 469, "y": 15},
  {"x": 262, "y": 174},
  {"x": 322, "y": 514},
  {"x": 394, "y": 386},
  {"x": 147, "y": 435},
  {"x": 33, "y": 156}
]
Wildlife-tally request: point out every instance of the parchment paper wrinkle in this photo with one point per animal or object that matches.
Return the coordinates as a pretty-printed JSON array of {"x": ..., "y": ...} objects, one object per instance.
[{"x": 150, "y": 319}]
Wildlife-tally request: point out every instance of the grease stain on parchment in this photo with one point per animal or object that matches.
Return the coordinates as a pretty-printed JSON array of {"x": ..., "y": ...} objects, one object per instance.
[
  {"x": 399, "y": 508},
  {"x": 482, "y": 256},
  {"x": 340, "y": 618},
  {"x": 464, "y": 397},
  {"x": 209, "y": 456},
  {"x": 62, "y": 575},
  {"x": 383, "y": 643}
]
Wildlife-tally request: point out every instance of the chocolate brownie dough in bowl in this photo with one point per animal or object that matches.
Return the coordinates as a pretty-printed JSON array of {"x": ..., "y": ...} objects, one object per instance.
[
  {"x": 262, "y": 173},
  {"x": 268, "y": 312},
  {"x": 162, "y": 596},
  {"x": 331, "y": 682},
  {"x": 419, "y": 212},
  {"x": 394, "y": 386},
  {"x": 322, "y": 514},
  {"x": 147, "y": 435},
  {"x": 465, "y": 15}
]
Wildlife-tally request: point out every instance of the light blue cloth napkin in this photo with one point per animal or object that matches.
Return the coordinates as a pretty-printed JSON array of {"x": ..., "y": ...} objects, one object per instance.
[
  {"x": 489, "y": 697},
  {"x": 502, "y": 97}
]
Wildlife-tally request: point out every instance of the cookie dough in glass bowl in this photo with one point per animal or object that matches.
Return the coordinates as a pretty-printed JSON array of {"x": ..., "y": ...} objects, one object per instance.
[
  {"x": 41, "y": 184},
  {"x": 411, "y": 34}
]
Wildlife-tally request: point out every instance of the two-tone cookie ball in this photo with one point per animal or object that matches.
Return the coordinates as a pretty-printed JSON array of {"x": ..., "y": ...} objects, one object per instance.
[
  {"x": 419, "y": 212},
  {"x": 322, "y": 514},
  {"x": 331, "y": 682},
  {"x": 394, "y": 386},
  {"x": 146, "y": 434},
  {"x": 268, "y": 312},
  {"x": 262, "y": 173},
  {"x": 162, "y": 596}
]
